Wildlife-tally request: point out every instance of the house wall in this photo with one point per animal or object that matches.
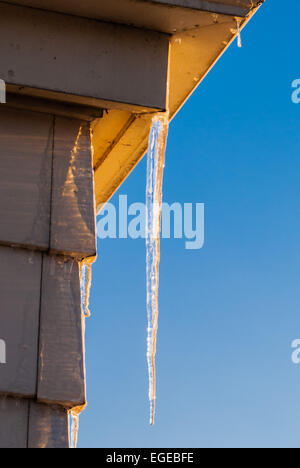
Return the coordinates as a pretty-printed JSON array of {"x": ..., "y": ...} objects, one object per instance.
[{"x": 47, "y": 228}]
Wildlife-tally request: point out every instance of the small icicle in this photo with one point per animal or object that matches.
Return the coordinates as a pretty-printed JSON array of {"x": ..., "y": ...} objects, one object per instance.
[
  {"x": 85, "y": 284},
  {"x": 155, "y": 169},
  {"x": 74, "y": 414},
  {"x": 239, "y": 36},
  {"x": 74, "y": 429}
]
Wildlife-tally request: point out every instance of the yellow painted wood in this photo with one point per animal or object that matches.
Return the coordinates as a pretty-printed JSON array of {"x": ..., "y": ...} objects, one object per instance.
[{"x": 120, "y": 139}]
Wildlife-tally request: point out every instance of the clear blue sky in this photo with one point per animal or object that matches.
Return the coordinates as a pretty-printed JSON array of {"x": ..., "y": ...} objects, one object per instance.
[{"x": 229, "y": 312}]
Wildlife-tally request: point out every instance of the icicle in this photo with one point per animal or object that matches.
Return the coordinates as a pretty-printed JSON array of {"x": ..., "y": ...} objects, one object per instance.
[
  {"x": 85, "y": 284},
  {"x": 155, "y": 169},
  {"x": 74, "y": 429},
  {"x": 74, "y": 414},
  {"x": 238, "y": 23},
  {"x": 85, "y": 269}
]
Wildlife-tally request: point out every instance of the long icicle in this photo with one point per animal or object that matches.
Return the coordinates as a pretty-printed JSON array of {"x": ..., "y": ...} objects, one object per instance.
[
  {"x": 155, "y": 169},
  {"x": 85, "y": 271}
]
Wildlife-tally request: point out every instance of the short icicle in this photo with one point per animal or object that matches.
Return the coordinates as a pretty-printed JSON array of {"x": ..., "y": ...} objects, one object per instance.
[
  {"x": 239, "y": 36},
  {"x": 155, "y": 169},
  {"x": 74, "y": 426},
  {"x": 85, "y": 284}
]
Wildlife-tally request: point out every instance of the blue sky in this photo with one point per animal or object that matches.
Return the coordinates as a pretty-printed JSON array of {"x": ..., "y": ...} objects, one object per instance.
[{"x": 230, "y": 311}]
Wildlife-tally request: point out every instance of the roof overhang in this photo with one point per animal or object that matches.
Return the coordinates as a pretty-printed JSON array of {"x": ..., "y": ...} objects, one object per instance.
[
  {"x": 167, "y": 16},
  {"x": 198, "y": 32},
  {"x": 203, "y": 32}
]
